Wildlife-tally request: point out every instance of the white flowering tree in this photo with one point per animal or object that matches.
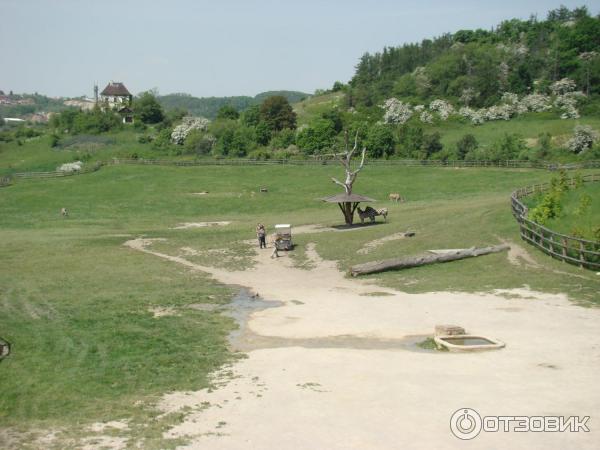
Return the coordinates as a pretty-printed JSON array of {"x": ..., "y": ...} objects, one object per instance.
[
  {"x": 396, "y": 111},
  {"x": 583, "y": 138},
  {"x": 442, "y": 107},
  {"x": 467, "y": 95},
  {"x": 187, "y": 125},
  {"x": 426, "y": 117},
  {"x": 536, "y": 102},
  {"x": 70, "y": 167}
]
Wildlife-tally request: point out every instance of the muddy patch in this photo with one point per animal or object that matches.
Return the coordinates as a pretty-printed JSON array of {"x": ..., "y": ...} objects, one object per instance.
[
  {"x": 163, "y": 311},
  {"x": 188, "y": 225}
]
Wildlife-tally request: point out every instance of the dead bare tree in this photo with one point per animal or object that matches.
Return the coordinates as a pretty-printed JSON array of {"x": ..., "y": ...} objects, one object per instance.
[{"x": 348, "y": 207}]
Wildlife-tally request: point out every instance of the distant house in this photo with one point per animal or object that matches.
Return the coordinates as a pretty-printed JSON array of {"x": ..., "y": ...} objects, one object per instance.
[{"x": 116, "y": 96}]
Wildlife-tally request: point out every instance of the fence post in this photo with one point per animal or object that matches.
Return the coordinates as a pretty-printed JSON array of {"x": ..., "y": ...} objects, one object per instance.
[
  {"x": 581, "y": 255},
  {"x": 564, "y": 249}
]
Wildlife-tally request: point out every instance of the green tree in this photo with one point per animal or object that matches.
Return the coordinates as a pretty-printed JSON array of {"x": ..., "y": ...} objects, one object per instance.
[
  {"x": 228, "y": 112},
  {"x": 319, "y": 135},
  {"x": 466, "y": 144},
  {"x": 147, "y": 108},
  {"x": 337, "y": 86},
  {"x": 411, "y": 140},
  {"x": 263, "y": 133},
  {"x": 284, "y": 138},
  {"x": 380, "y": 141},
  {"x": 432, "y": 144},
  {"x": 251, "y": 116},
  {"x": 277, "y": 113}
]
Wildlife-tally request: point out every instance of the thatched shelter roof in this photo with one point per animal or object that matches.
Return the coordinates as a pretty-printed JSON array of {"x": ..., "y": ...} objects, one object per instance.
[{"x": 345, "y": 198}]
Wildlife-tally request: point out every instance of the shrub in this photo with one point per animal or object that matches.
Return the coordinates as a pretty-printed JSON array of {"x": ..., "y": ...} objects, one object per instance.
[
  {"x": 319, "y": 135},
  {"x": 465, "y": 145},
  {"x": 188, "y": 124},
  {"x": 506, "y": 148},
  {"x": 380, "y": 141},
  {"x": 432, "y": 144},
  {"x": 145, "y": 139},
  {"x": 199, "y": 143},
  {"x": 396, "y": 111},
  {"x": 54, "y": 140},
  {"x": 549, "y": 208},
  {"x": 284, "y": 138},
  {"x": 583, "y": 139}
]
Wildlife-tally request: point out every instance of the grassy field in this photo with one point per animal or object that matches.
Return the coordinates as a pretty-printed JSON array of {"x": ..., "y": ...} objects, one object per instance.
[
  {"x": 77, "y": 305},
  {"x": 580, "y": 212}
]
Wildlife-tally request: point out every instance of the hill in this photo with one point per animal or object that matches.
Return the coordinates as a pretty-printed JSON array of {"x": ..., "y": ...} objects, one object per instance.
[
  {"x": 208, "y": 106},
  {"x": 475, "y": 67}
]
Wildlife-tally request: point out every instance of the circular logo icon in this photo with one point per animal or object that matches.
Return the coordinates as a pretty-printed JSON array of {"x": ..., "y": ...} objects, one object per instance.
[{"x": 465, "y": 423}]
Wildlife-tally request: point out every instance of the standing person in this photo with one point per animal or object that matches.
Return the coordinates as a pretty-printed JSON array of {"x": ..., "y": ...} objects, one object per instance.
[{"x": 261, "y": 234}]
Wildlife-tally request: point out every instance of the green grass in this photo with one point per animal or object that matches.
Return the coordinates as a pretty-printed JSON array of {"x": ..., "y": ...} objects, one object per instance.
[
  {"x": 528, "y": 126},
  {"x": 575, "y": 220},
  {"x": 317, "y": 105},
  {"x": 75, "y": 303}
]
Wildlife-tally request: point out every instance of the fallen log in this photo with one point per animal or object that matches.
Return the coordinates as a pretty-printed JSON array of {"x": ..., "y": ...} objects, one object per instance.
[{"x": 424, "y": 259}]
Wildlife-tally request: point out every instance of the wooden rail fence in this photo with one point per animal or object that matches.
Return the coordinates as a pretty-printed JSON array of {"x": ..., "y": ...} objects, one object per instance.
[
  {"x": 512, "y": 164},
  {"x": 570, "y": 249}
]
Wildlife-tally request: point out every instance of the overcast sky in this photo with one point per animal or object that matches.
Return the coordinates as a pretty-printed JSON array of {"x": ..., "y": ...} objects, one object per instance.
[{"x": 221, "y": 47}]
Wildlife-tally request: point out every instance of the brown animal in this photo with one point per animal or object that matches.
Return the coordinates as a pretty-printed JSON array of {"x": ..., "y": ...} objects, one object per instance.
[
  {"x": 370, "y": 213},
  {"x": 396, "y": 197}
]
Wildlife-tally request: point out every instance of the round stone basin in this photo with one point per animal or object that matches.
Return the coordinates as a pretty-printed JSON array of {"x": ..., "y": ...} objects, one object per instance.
[{"x": 467, "y": 343}]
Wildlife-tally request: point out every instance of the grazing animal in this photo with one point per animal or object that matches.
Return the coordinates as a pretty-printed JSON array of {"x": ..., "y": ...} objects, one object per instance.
[
  {"x": 396, "y": 197},
  {"x": 371, "y": 213},
  {"x": 64, "y": 212}
]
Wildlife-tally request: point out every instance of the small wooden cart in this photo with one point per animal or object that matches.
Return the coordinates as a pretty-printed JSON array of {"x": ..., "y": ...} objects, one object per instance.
[{"x": 283, "y": 236}]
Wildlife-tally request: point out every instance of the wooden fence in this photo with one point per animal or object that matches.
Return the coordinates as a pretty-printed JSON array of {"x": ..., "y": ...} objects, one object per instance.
[
  {"x": 513, "y": 164},
  {"x": 58, "y": 173},
  {"x": 573, "y": 250}
]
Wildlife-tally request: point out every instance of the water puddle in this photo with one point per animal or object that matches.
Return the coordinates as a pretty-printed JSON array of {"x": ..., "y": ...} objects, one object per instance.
[{"x": 243, "y": 339}]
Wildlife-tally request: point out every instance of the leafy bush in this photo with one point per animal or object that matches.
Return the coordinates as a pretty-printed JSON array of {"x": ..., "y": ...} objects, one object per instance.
[
  {"x": 283, "y": 139},
  {"x": 199, "y": 143},
  {"x": 465, "y": 145},
  {"x": 380, "y": 141},
  {"x": 319, "y": 135},
  {"x": 54, "y": 140},
  {"x": 583, "y": 139},
  {"x": 549, "y": 208},
  {"x": 431, "y": 145}
]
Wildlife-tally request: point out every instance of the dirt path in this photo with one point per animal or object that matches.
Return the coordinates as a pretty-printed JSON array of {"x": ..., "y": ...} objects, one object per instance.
[{"x": 321, "y": 377}]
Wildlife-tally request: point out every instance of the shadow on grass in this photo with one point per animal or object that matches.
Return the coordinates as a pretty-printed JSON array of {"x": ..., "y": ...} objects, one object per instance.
[{"x": 356, "y": 226}]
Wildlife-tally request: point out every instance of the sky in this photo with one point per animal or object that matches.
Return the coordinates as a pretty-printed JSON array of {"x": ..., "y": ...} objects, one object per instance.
[{"x": 222, "y": 47}]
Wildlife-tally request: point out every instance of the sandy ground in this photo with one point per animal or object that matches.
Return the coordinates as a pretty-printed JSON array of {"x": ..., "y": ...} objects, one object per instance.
[
  {"x": 187, "y": 225},
  {"x": 332, "y": 368}
]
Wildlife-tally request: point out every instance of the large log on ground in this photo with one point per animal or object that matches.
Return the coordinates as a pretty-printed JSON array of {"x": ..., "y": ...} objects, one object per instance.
[{"x": 424, "y": 259}]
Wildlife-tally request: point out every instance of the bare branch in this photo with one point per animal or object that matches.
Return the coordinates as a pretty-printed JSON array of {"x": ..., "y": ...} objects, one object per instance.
[
  {"x": 362, "y": 162},
  {"x": 351, "y": 152},
  {"x": 338, "y": 182}
]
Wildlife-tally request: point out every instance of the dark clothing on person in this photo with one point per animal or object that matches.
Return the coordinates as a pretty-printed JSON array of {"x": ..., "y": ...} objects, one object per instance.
[{"x": 262, "y": 241}]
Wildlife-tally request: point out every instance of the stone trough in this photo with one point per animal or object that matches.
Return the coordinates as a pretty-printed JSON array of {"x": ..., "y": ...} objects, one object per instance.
[{"x": 454, "y": 339}]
